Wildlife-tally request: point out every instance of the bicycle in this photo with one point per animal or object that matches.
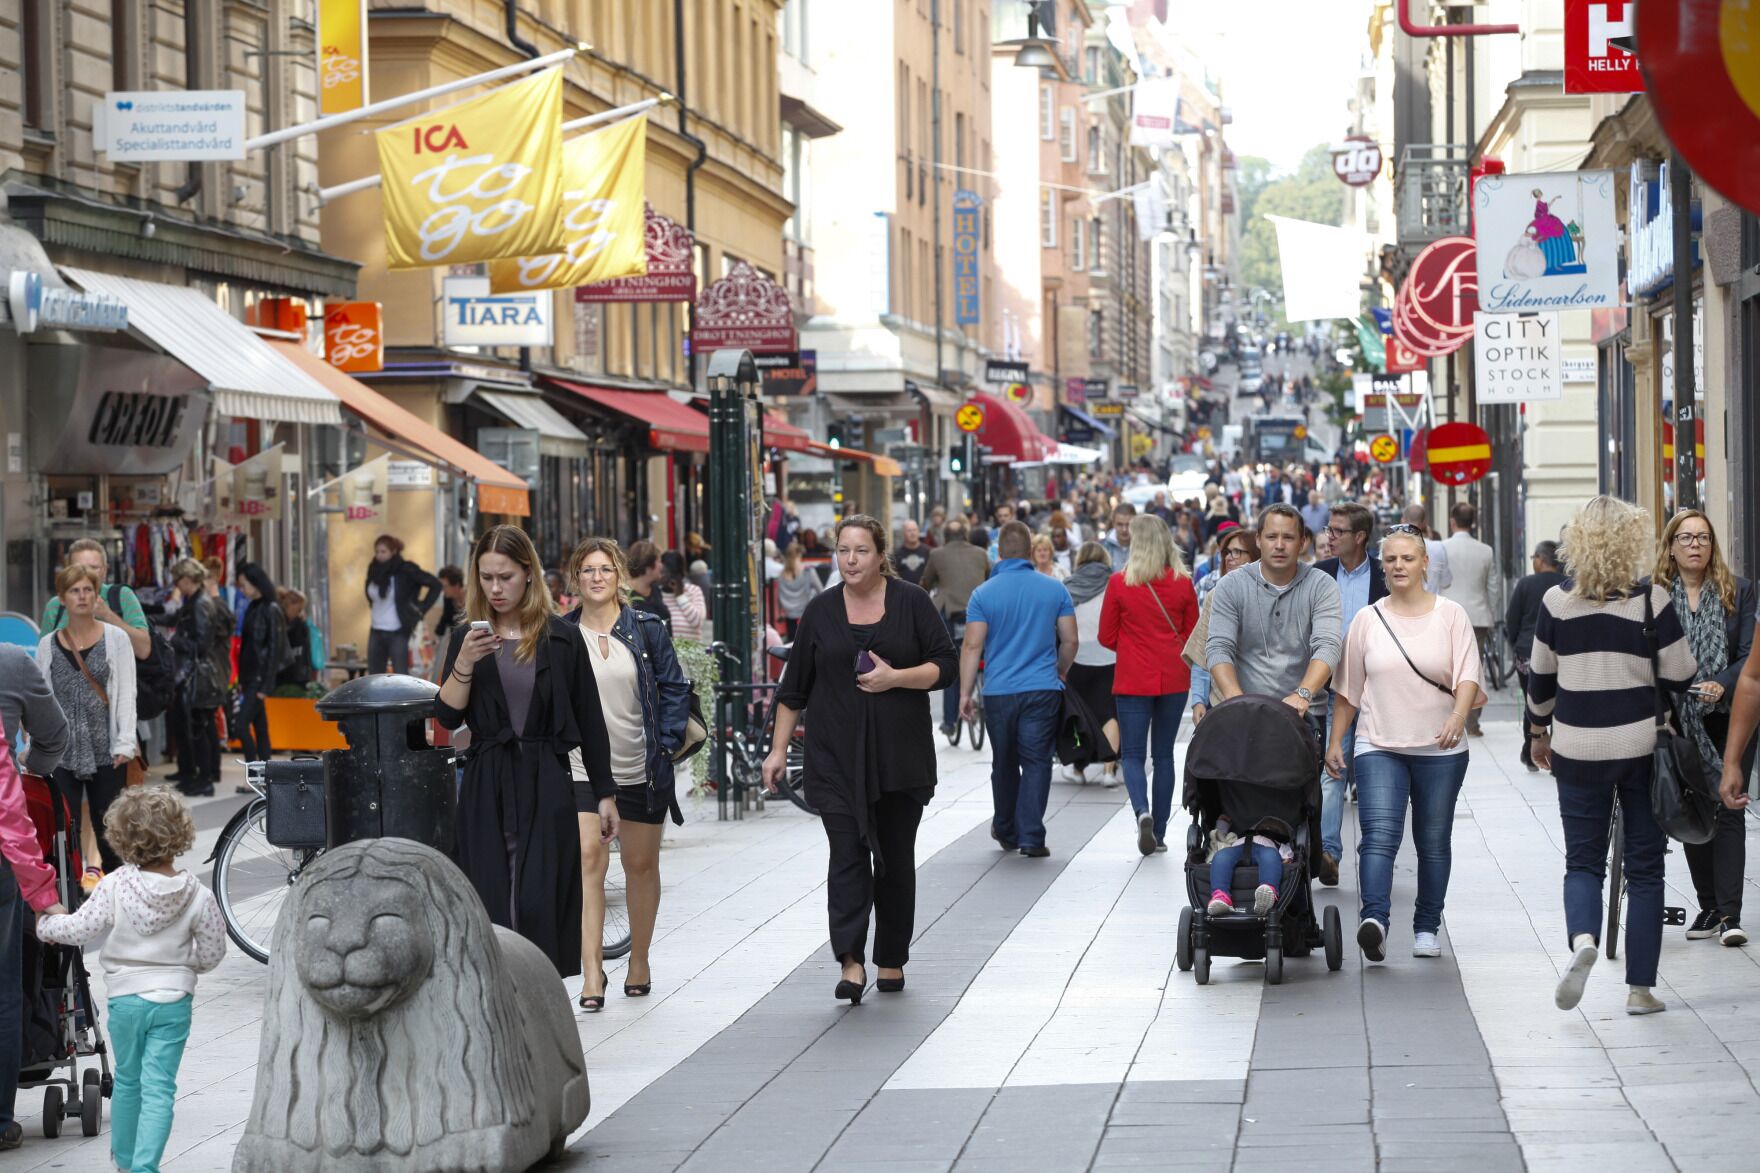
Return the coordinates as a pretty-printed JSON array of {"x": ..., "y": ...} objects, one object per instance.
[
  {"x": 975, "y": 723},
  {"x": 615, "y": 936},
  {"x": 747, "y": 748},
  {"x": 1495, "y": 655}
]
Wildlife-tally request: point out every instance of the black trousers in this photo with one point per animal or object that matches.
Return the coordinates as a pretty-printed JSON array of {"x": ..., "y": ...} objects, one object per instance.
[
  {"x": 204, "y": 746},
  {"x": 98, "y": 791},
  {"x": 253, "y": 728},
  {"x": 1718, "y": 866},
  {"x": 852, "y": 888}
]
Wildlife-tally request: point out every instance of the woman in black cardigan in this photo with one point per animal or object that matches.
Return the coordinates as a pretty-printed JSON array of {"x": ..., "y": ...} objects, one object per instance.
[
  {"x": 866, "y": 656},
  {"x": 526, "y": 689},
  {"x": 399, "y": 593}
]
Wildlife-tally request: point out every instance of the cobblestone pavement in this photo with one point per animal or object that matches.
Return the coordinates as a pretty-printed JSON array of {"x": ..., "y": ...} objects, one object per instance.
[{"x": 1046, "y": 1025}]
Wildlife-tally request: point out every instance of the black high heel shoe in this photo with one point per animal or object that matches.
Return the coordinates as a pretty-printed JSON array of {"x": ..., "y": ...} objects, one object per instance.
[
  {"x": 593, "y": 1003},
  {"x": 850, "y": 990},
  {"x": 890, "y": 985}
]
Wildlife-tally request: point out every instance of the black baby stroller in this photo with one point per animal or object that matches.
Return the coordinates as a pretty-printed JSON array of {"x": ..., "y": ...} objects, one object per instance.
[
  {"x": 60, "y": 1017},
  {"x": 1256, "y": 759}
]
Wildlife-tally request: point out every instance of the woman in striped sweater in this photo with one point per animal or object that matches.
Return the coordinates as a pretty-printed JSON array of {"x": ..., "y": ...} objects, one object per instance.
[{"x": 1592, "y": 712}]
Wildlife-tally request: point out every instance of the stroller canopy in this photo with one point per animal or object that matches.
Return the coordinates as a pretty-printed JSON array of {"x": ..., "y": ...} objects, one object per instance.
[{"x": 1255, "y": 758}]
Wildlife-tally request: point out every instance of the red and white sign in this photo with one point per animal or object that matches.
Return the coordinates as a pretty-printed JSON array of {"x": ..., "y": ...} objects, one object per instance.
[
  {"x": 1402, "y": 359},
  {"x": 1433, "y": 313},
  {"x": 1357, "y": 160},
  {"x": 1702, "y": 66},
  {"x": 1591, "y": 64},
  {"x": 1459, "y": 454},
  {"x": 354, "y": 335},
  {"x": 670, "y": 275},
  {"x": 745, "y": 310}
]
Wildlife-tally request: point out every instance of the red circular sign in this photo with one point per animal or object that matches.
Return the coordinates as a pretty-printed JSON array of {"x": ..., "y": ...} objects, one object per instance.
[
  {"x": 1357, "y": 160},
  {"x": 1701, "y": 63},
  {"x": 1459, "y": 454},
  {"x": 1433, "y": 314}
]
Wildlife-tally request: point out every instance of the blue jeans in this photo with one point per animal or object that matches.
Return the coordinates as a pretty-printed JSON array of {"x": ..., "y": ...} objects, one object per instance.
[
  {"x": 1023, "y": 733},
  {"x": 1332, "y": 792},
  {"x": 1266, "y": 859},
  {"x": 1585, "y": 807},
  {"x": 1147, "y": 726},
  {"x": 12, "y": 914},
  {"x": 148, "y": 1038},
  {"x": 1386, "y": 782}
]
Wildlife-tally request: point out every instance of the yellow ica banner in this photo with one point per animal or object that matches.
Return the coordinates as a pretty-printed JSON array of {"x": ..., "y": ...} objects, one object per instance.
[
  {"x": 604, "y": 184},
  {"x": 342, "y": 55},
  {"x": 476, "y": 181}
]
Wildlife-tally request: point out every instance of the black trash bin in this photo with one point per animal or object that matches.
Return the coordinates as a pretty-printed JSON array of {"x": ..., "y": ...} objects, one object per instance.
[{"x": 389, "y": 782}]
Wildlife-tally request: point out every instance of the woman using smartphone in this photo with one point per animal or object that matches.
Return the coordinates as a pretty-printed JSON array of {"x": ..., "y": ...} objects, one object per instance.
[{"x": 519, "y": 677}]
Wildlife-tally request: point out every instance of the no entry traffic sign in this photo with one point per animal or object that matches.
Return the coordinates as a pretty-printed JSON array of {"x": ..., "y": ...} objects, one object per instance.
[
  {"x": 969, "y": 418},
  {"x": 1459, "y": 454}
]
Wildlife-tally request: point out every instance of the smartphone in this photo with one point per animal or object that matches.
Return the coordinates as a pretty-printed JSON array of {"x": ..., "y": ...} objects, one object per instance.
[
  {"x": 479, "y": 625},
  {"x": 864, "y": 664}
]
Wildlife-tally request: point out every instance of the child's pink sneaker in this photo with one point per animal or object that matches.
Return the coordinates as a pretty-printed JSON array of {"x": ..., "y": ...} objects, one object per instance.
[
  {"x": 1263, "y": 898},
  {"x": 1220, "y": 904}
]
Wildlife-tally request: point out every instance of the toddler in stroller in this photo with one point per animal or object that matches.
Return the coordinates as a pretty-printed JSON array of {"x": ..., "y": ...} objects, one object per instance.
[{"x": 1248, "y": 872}]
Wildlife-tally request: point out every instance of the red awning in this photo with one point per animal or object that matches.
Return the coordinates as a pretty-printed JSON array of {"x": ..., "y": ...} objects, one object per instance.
[
  {"x": 779, "y": 433},
  {"x": 672, "y": 426},
  {"x": 1009, "y": 431},
  {"x": 883, "y": 465}
]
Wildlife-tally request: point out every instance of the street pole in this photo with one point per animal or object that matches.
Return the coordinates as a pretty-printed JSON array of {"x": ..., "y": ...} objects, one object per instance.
[
  {"x": 1686, "y": 410},
  {"x": 935, "y": 158}
]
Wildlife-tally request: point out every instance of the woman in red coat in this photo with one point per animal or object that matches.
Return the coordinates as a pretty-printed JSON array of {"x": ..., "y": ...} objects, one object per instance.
[{"x": 1149, "y": 611}]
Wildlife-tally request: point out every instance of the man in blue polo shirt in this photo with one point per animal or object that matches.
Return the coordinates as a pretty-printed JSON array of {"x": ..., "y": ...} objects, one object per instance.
[{"x": 1022, "y": 626}]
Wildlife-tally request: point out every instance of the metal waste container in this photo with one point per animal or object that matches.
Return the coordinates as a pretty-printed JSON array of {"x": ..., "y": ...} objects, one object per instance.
[{"x": 389, "y": 782}]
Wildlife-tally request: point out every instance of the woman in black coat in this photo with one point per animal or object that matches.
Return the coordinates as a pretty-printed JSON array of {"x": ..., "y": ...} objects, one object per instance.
[
  {"x": 400, "y": 593},
  {"x": 203, "y": 642},
  {"x": 526, "y": 689},
  {"x": 866, "y": 656},
  {"x": 262, "y": 649}
]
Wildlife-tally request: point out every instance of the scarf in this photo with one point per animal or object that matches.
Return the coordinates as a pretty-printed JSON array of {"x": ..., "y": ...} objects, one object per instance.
[
  {"x": 1088, "y": 582},
  {"x": 379, "y": 573},
  {"x": 1710, "y": 644}
]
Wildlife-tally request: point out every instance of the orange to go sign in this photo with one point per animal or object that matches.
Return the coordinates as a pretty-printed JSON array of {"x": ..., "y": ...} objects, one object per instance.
[
  {"x": 1385, "y": 449},
  {"x": 1459, "y": 454},
  {"x": 969, "y": 418}
]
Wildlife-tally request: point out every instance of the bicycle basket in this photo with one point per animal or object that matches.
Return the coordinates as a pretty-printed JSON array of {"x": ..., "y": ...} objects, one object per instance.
[{"x": 295, "y": 793}]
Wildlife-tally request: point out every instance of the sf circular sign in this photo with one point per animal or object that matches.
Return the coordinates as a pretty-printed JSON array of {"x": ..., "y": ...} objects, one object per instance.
[
  {"x": 1701, "y": 63},
  {"x": 1433, "y": 312},
  {"x": 1385, "y": 449},
  {"x": 1357, "y": 160},
  {"x": 969, "y": 418},
  {"x": 1459, "y": 454}
]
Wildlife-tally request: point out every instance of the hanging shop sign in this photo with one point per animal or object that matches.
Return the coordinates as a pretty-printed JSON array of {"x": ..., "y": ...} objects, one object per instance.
[
  {"x": 171, "y": 126},
  {"x": 342, "y": 56},
  {"x": 745, "y": 310},
  {"x": 1459, "y": 453},
  {"x": 1018, "y": 393},
  {"x": 1357, "y": 160},
  {"x": 1701, "y": 64},
  {"x": 1593, "y": 64},
  {"x": 1096, "y": 389},
  {"x": 1097, "y": 410},
  {"x": 1517, "y": 358},
  {"x": 1433, "y": 311},
  {"x": 670, "y": 275},
  {"x": 1155, "y": 112},
  {"x": 1075, "y": 392},
  {"x": 363, "y": 492},
  {"x": 478, "y": 180},
  {"x": 105, "y": 409},
  {"x": 999, "y": 371},
  {"x": 1650, "y": 213},
  {"x": 256, "y": 486},
  {"x": 970, "y": 417},
  {"x": 1402, "y": 359},
  {"x": 966, "y": 234},
  {"x": 603, "y": 181},
  {"x": 354, "y": 336},
  {"x": 1547, "y": 241},
  {"x": 35, "y": 305},
  {"x": 1127, "y": 393},
  {"x": 475, "y": 317},
  {"x": 792, "y": 379}
]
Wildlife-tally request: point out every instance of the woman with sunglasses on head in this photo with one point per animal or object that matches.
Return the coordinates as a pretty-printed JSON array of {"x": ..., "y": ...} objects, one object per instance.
[
  {"x": 518, "y": 675},
  {"x": 1237, "y": 548},
  {"x": 1410, "y": 670},
  {"x": 647, "y": 704},
  {"x": 1716, "y": 608}
]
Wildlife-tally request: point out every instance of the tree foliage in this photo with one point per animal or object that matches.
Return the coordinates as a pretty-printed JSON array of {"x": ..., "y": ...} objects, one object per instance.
[{"x": 1313, "y": 193}]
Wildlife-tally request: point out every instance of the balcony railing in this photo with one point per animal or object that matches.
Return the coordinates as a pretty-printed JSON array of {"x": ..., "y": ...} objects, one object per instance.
[{"x": 1430, "y": 192}]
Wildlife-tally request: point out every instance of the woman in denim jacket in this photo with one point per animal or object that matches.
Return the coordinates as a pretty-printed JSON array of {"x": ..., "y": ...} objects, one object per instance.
[{"x": 646, "y": 701}]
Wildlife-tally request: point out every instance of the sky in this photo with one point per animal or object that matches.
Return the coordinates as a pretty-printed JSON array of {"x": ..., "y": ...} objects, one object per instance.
[{"x": 1286, "y": 66}]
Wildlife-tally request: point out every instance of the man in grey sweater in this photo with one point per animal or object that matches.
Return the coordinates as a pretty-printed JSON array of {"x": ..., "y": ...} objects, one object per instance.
[
  {"x": 28, "y": 706},
  {"x": 1275, "y": 628}
]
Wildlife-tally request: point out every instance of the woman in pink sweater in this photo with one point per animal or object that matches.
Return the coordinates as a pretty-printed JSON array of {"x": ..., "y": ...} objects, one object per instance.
[{"x": 1411, "y": 670}]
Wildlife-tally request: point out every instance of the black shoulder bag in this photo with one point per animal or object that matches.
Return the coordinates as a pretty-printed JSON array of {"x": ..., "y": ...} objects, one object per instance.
[
  {"x": 1438, "y": 686},
  {"x": 1684, "y": 805}
]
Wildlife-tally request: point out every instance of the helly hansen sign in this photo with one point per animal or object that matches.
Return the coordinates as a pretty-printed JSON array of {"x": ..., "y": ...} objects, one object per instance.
[
  {"x": 1593, "y": 64},
  {"x": 1517, "y": 358}
]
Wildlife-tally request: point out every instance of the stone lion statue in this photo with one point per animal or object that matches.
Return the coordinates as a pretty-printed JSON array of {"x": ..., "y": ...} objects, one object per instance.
[{"x": 404, "y": 1032}]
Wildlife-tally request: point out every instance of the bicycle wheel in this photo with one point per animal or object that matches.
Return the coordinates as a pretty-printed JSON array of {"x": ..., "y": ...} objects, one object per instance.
[
  {"x": 794, "y": 778},
  {"x": 975, "y": 726},
  {"x": 1616, "y": 880},
  {"x": 251, "y": 880},
  {"x": 1496, "y": 668},
  {"x": 614, "y": 941}
]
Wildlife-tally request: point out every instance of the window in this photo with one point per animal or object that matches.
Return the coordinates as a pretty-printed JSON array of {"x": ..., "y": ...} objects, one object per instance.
[
  {"x": 794, "y": 30},
  {"x": 902, "y": 300},
  {"x": 959, "y": 25},
  {"x": 1047, "y": 218},
  {"x": 1047, "y": 113},
  {"x": 1096, "y": 150},
  {"x": 1078, "y": 240},
  {"x": 1066, "y": 135},
  {"x": 1094, "y": 70},
  {"x": 122, "y": 41},
  {"x": 959, "y": 143},
  {"x": 1096, "y": 332},
  {"x": 1096, "y": 257},
  {"x": 35, "y": 65}
]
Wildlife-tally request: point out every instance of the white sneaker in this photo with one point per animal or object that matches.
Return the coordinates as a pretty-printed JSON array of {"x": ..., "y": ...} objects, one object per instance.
[
  {"x": 1426, "y": 945},
  {"x": 1731, "y": 935},
  {"x": 1576, "y": 974},
  {"x": 1372, "y": 939},
  {"x": 1642, "y": 1001},
  {"x": 1264, "y": 896},
  {"x": 1146, "y": 833},
  {"x": 1110, "y": 780}
]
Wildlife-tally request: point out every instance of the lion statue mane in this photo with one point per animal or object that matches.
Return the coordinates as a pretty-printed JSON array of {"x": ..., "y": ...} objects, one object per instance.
[{"x": 403, "y": 1032}]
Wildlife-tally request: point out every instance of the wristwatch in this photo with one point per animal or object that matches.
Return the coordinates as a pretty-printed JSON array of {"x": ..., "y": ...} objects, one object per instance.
[{"x": 1305, "y": 694}]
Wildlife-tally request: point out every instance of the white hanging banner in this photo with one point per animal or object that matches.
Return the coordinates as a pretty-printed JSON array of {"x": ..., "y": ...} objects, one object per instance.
[
  {"x": 1154, "y": 112},
  {"x": 1322, "y": 269},
  {"x": 1150, "y": 202},
  {"x": 1517, "y": 358}
]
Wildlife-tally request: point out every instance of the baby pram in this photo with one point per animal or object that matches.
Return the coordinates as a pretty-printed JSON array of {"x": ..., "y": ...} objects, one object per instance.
[
  {"x": 1257, "y": 760},
  {"x": 60, "y": 1017}
]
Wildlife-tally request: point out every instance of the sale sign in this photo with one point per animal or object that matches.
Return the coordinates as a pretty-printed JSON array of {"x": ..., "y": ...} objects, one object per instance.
[
  {"x": 354, "y": 335},
  {"x": 256, "y": 486},
  {"x": 1593, "y": 64}
]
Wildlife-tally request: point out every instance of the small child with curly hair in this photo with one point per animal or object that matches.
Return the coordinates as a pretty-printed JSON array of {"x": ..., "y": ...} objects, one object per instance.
[{"x": 164, "y": 928}]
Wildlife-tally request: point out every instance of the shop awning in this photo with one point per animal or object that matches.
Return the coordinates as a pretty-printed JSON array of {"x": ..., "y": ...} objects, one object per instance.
[
  {"x": 883, "y": 465},
  {"x": 1010, "y": 433},
  {"x": 779, "y": 433},
  {"x": 1100, "y": 427},
  {"x": 249, "y": 380},
  {"x": 498, "y": 491},
  {"x": 556, "y": 436},
  {"x": 672, "y": 426}
]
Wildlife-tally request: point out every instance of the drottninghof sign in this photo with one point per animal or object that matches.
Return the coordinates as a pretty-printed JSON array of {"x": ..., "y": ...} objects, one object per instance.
[
  {"x": 1547, "y": 241},
  {"x": 1357, "y": 160},
  {"x": 670, "y": 275},
  {"x": 1459, "y": 453},
  {"x": 970, "y": 417},
  {"x": 171, "y": 126},
  {"x": 1433, "y": 311},
  {"x": 1517, "y": 358},
  {"x": 1701, "y": 63},
  {"x": 354, "y": 336},
  {"x": 475, "y": 317},
  {"x": 966, "y": 238},
  {"x": 745, "y": 310},
  {"x": 342, "y": 56},
  {"x": 1593, "y": 64}
]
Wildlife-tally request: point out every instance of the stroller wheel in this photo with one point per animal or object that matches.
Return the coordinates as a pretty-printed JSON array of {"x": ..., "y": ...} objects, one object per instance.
[
  {"x": 91, "y": 1111},
  {"x": 1201, "y": 966},
  {"x": 54, "y": 1104},
  {"x": 1334, "y": 938},
  {"x": 1182, "y": 950},
  {"x": 1274, "y": 965}
]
